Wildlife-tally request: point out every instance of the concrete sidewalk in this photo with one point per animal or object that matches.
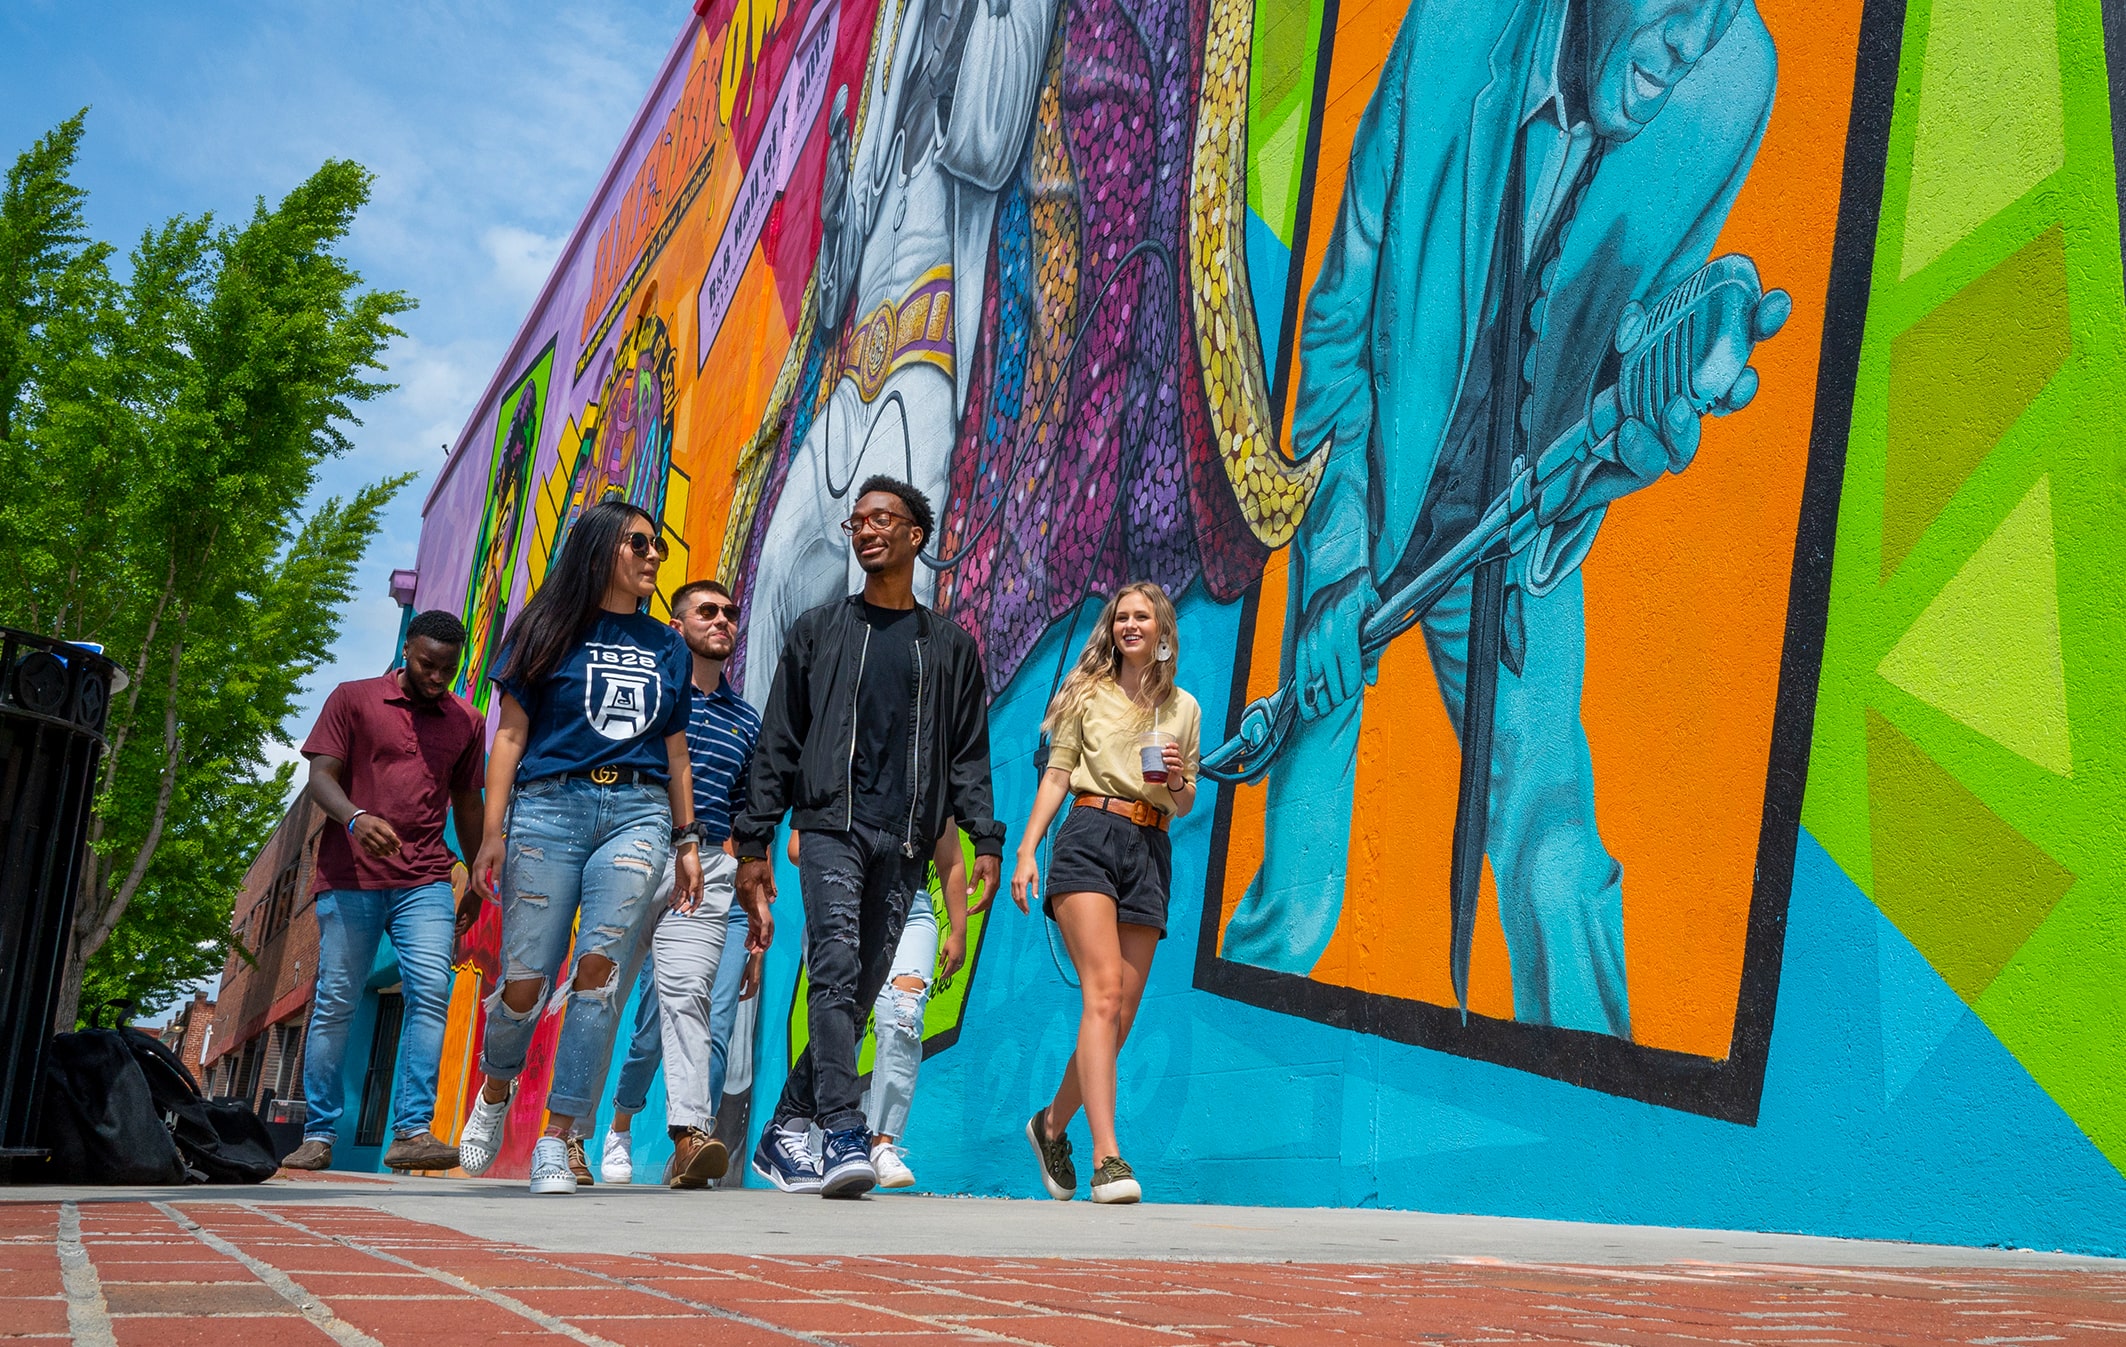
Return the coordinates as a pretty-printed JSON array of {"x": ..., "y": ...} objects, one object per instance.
[
  {"x": 655, "y": 1220},
  {"x": 362, "y": 1261}
]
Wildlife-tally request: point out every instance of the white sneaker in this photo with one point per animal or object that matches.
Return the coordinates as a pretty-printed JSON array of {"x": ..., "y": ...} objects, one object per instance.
[
  {"x": 550, "y": 1171},
  {"x": 617, "y": 1164},
  {"x": 481, "y": 1140},
  {"x": 892, "y": 1171}
]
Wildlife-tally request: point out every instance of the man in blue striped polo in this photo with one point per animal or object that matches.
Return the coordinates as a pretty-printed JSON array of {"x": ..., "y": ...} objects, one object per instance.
[{"x": 686, "y": 948}]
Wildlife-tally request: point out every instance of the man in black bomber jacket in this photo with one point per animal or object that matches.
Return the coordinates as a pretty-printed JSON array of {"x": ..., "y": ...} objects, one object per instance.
[{"x": 876, "y": 735}]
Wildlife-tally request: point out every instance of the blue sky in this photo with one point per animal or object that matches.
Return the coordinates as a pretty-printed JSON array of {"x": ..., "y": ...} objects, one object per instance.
[{"x": 486, "y": 123}]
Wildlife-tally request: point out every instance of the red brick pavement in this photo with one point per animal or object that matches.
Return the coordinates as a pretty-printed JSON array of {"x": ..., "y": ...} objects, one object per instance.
[{"x": 219, "y": 1273}]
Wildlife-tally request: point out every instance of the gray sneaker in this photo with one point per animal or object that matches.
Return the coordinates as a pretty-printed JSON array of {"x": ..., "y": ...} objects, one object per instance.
[
  {"x": 314, "y": 1153},
  {"x": 550, "y": 1173},
  {"x": 421, "y": 1151}
]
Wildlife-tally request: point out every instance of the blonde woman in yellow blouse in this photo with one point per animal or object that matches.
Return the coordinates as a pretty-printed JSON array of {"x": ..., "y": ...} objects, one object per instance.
[{"x": 1125, "y": 742}]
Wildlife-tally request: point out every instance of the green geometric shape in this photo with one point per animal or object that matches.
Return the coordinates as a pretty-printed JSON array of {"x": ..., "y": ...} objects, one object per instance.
[
  {"x": 1965, "y": 888},
  {"x": 1990, "y": 126},
  {"x": 1986, "y": 652},
  {"x": 2060, "y": 1007},
  {"x": 1277, "y": 164},
  {"x": 1281, "y": 73},
  {"x": 1961, "y": 376}
]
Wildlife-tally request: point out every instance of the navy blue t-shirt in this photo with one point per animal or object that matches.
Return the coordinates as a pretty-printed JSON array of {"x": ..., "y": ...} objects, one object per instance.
[{"x": 612, "y": 702}]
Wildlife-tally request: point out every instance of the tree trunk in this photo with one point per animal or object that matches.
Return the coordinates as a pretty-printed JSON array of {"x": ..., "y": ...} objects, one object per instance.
[
  {"x": 69, "y": 1012},
  {"x": 99, "y": 905}
]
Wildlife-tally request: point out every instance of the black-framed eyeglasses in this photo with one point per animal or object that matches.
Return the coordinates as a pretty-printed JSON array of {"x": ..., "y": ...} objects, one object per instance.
[
  {"x": 645, "y": 544},
  {"x": 878, "y": 520},
  {"x": 711, "y": 608}
]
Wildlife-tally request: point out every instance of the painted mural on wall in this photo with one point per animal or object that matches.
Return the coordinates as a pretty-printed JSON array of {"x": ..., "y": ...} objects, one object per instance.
[
  {"x": 1480, "y": 376},
  {"x": 1517, "y": 323},
  {"x": 494, "y": 553}
]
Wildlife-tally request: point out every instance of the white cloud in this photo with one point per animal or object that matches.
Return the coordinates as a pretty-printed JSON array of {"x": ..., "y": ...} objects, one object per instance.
[{"x": 522, "y": 259}]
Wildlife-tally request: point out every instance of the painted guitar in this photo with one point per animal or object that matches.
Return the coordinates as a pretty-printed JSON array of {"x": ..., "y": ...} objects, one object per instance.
[{"x": 1694, "y": 344}]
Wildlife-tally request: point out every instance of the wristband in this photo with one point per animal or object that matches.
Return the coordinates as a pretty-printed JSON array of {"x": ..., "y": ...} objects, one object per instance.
[
  {"x": 696, "y": 832},
  {"x": 351, "y": 818}
]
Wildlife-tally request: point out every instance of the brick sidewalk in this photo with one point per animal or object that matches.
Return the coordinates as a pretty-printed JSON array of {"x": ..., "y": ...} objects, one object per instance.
[{"x": 212, "y": 1273}]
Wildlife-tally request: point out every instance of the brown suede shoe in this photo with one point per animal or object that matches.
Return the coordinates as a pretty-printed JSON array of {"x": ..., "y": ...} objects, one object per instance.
[
  {"x": 422, "y": 1151},
  {"x": 314, "y": 1153},
  {"x": 577, "y": 1164},
  {"x": 698, "y": 1157}
]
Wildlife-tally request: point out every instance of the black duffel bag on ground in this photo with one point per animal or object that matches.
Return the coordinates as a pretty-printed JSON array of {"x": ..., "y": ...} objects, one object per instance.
[
  {"x": 220, "y": 1142},
  {"x": 120, "y": 1108},
  {"x": 100, "y": 1123}
]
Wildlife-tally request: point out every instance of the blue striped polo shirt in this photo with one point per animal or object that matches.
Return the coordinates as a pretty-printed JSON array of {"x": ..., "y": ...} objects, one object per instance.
[{"x": 721, "y": 731}]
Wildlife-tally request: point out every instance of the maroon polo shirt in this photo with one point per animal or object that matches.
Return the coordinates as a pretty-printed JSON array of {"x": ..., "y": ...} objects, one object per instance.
[{"x": 405, "y": 757}]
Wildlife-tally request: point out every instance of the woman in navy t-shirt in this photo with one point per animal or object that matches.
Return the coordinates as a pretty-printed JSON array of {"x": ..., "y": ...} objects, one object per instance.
[{"x": 587, "y": 775}]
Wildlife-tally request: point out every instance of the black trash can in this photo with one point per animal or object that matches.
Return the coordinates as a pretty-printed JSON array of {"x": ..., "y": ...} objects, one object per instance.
[{"x": 54, "y": 697}]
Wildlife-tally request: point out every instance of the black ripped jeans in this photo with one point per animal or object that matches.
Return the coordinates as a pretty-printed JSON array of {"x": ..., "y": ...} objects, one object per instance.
[{"x": 856, "y": 887}]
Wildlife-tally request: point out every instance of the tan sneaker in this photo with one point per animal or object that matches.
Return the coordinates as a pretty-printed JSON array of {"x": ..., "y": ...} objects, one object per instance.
[
  {"x": 314, "y": 1153},
  {"x": 578, "y": 1164},
  {"x": 421, "y": 1151},
  {"x": 697, "y": 1158}
]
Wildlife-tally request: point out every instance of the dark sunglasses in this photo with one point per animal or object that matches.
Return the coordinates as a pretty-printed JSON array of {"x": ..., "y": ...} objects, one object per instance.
[
  {"x": 712, "y": 608},
  {"x": 645, "y": 544},
  {"x": 879, "y": 520}
]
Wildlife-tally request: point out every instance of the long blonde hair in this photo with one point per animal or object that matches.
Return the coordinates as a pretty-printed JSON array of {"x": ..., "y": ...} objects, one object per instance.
[{"x": 1101, "y": 660}]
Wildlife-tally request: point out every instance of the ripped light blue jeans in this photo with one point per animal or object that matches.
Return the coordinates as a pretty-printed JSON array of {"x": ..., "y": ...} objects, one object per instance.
[
  {"x": 583, "y": 863},
  {"x": 897, "y": 1021}
]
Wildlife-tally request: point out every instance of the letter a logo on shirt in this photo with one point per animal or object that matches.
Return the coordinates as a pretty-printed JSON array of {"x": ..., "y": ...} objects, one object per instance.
[{"x": 619, "y": 702}]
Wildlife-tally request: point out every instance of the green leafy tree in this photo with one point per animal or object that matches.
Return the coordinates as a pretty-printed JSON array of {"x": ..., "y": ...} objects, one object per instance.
[{"x": 160, "y": 432}]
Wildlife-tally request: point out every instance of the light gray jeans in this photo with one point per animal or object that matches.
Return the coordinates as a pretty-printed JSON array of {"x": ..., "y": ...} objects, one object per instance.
[
  {"x": 897, "y": 1019},
  {"x": 687, "y": 947}
]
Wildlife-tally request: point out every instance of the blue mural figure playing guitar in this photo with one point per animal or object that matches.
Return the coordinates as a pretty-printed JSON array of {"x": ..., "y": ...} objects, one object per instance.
[{"x": 1515, "y": 323}]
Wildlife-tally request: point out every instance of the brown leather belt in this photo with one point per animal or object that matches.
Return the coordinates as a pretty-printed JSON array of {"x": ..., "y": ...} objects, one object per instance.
[{"x": 1136, "y": 811}]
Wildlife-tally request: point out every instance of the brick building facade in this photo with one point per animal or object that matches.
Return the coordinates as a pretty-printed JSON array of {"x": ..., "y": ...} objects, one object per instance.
[
  {"x": 190, "y": 1033},
  {"x": 255, "y": 1052}
]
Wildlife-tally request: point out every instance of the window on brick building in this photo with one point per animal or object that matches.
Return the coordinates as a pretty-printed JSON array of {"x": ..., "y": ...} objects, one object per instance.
[
  {"x": 249, "y": 1059},
  {"x": 288, "y": 1066}
]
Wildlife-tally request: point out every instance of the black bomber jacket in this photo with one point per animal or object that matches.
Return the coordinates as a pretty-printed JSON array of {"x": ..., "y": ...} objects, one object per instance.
[{"x": 801, "y": 765}]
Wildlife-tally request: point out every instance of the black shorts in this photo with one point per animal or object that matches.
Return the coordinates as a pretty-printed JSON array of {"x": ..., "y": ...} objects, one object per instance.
[{"x": 1099, "y": 852}]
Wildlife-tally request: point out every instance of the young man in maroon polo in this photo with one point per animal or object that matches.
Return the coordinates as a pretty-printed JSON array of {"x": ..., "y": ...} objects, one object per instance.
[{"x": 390, "y": 758}]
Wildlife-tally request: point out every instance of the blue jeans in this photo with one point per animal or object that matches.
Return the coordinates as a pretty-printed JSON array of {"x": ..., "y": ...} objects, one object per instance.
[
  {"x": 645, "y": 1049},
  {"x": 897, "y": 1022},
  {"x": 422, "y": 925},
  {"x": 645, "y": 1046},
  {"x": 583, "y": 864}
]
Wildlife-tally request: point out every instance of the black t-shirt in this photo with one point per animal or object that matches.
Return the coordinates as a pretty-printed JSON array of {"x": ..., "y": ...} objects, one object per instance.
[{"x": 885, "y": 698}]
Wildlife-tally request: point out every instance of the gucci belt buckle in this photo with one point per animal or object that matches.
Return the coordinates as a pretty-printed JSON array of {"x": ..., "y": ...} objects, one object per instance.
[{"x": 605, "y": 776}]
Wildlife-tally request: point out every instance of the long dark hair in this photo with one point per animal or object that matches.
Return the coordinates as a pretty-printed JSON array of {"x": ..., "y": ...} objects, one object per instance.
[{"x": 568, "y": 602}]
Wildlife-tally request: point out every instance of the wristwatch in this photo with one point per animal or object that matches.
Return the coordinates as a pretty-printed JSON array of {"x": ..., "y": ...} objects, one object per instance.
[{"x": 697, "y": 831}]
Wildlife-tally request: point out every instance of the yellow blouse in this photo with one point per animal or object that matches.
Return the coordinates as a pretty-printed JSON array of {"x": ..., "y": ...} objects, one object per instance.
[{"x": 1098, "y": 746}]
